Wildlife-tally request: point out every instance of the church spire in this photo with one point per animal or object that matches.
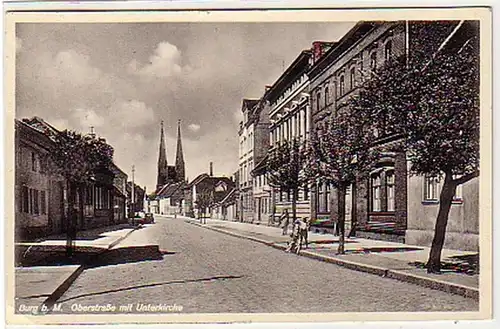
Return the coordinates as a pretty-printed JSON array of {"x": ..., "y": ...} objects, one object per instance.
[
  {"x": 162, "y": 160},
  {"x": 179, "y": 158}
]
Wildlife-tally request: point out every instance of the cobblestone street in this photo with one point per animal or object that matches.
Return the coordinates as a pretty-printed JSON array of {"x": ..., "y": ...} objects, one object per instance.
[{"x": 204, "y": 271}]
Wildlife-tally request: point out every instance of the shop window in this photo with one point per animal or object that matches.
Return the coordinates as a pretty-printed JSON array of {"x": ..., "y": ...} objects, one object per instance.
[
  {"x": 376, "y": 186},
  {"x": 390, "y": 190}
]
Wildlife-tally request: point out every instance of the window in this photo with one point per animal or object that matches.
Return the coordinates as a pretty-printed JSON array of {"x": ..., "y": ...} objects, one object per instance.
[
  {"x": 342, "y": 85},
  {"x": 25, "y": 197},
  {"x": 327, "y": 101},
  {"x": 36, "y": 205},
  {"x": 321, "y": 199},
  {"x": 88, "y": 195},
  {"x": 352, "y": 77},
  {"x": 373, "y": 62},
  {"x": 33, "y": 161},
  {"x": 389, "y": 178},
  {"x": 431, "y": 188},
  {"x": 306, "y": 192},
  {"x": 388, "y": 50},
  {"x": 376, "y": 202},
  {"x": 43, "y": 207},
  {"x": 318, "y": 97}
]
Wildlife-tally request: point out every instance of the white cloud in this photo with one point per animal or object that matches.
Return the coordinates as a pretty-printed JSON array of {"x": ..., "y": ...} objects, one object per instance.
[
  {"x": 132, "y": 113},
  {"x": 70, "y": 67},
  {"x": 165, "y": 62},
  {"x": 88, "y": 118},
  {"x": 194, "y": 127}
]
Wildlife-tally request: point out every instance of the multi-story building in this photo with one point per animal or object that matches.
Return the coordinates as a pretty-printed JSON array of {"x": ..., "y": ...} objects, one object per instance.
[
  {"x": 290, "y": 119},
  {"x": 388, "y": 203},
  {"x": 246, "y": 135}
]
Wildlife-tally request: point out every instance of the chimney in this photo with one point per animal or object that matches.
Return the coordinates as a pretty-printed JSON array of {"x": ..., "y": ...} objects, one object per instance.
[
  {"x": 319, "y": 48},
  {"x": 211, "y": 169}
]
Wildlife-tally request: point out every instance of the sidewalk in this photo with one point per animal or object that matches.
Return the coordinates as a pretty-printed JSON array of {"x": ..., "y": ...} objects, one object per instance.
[
  {"x": 388, "y": 259},
  {"x": 43, "y": 273}
]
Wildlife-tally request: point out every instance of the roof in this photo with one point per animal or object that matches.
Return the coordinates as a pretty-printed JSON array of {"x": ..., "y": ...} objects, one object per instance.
[
  {"x": 230, "y": 197},
  {"x": 198, "y": 179},
  {"x": 298, "y": 67},
  {"x": 344, "y": 44},
  {"x": 42, "y": 126},
  {"x": 260, "y": 167},
  {"x": 169, "y": 190}
]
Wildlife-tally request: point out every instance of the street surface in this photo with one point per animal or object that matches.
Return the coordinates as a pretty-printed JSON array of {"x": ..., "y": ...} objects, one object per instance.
[{"x": 202, "y": 271}]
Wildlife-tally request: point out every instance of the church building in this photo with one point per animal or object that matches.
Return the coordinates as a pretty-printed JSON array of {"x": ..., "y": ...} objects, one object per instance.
[
  {"x": 170, "y": 181},
  {"x": 173, "y": 173}
]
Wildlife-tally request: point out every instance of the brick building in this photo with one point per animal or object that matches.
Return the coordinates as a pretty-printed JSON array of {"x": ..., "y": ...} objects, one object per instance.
[{"x": 388, "y": 204}]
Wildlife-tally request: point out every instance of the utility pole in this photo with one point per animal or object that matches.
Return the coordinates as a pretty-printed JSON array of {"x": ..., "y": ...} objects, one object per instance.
[{"x": 133, "y": 192}]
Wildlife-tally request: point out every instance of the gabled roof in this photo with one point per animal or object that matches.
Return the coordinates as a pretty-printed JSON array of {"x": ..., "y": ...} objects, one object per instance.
[
  {"x": 42, "y": 126},
  {"x": 230, "y": 197},
  {"x": 198, "y": 179},
  {"x": 169, "y": 190}
]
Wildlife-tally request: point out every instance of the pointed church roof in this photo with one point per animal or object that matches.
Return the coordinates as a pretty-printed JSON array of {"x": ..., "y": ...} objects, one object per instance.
[
  {"x": 162, "y": 160},
  {"x": 179, "y": 158}
]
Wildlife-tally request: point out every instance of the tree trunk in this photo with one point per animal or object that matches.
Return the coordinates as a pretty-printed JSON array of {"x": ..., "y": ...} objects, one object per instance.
[
  {"x": 341, "y": 218},
  {"x": 445, "y": 200},
  {"x": 71, "y": 229},
  {"x": 294, "y": 205}
]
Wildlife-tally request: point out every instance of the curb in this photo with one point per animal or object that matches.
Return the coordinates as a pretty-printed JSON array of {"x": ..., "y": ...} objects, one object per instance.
[
  {"x": 63, "y": 287},
  {"x": 434, "y": 284}
]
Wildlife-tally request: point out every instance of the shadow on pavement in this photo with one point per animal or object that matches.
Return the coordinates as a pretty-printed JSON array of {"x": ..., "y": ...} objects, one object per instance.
[
  {"x": 463, "y": 264},
  {"x": 90, "y": 234},
  {"x": 126, "y": 255},
  {"x": 149, "y": 285},
  {"x": 381, "y": 249},
  {"x": 92, "y": 257}
]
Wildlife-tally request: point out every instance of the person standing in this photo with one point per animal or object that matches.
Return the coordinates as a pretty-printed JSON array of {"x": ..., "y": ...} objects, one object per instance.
[{"x": 285, "y": 222}]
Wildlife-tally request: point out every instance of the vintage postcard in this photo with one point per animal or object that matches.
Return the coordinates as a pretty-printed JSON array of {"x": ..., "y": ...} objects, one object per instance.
[{"x": 248, "y": 166}]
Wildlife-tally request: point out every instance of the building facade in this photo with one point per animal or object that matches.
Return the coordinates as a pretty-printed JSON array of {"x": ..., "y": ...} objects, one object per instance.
[
  {"x": 42, "y": 197},
  {"x": 246, "y": 163},
  {"x": 388, "y": 203},
  {"x": 290, "y": 112}
]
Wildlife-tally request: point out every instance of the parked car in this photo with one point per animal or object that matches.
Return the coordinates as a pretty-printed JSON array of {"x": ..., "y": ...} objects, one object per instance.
[{"x": 144, "y": 218}]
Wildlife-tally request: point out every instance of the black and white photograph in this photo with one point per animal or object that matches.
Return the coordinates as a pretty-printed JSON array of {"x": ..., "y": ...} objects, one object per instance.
[{"x": 184, "y": 164}]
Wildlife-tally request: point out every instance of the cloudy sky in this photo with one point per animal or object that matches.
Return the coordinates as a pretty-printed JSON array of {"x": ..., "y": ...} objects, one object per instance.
[{"x": 124, "y": 78}]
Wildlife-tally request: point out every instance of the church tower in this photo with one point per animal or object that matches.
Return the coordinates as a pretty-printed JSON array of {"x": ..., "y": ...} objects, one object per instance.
[
  {"x": 179, "y": 158},
  {"x": 162, "y": 161}
]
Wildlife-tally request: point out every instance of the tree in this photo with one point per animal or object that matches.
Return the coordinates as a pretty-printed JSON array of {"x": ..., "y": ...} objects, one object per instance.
[
  {"x": 339, "y": 153},
  {"x": 204, "y": 199},
  {"x": 285, "y": 165},
  {"x": 79, "y": 159},
  {"x": 432, "y": 98}
]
